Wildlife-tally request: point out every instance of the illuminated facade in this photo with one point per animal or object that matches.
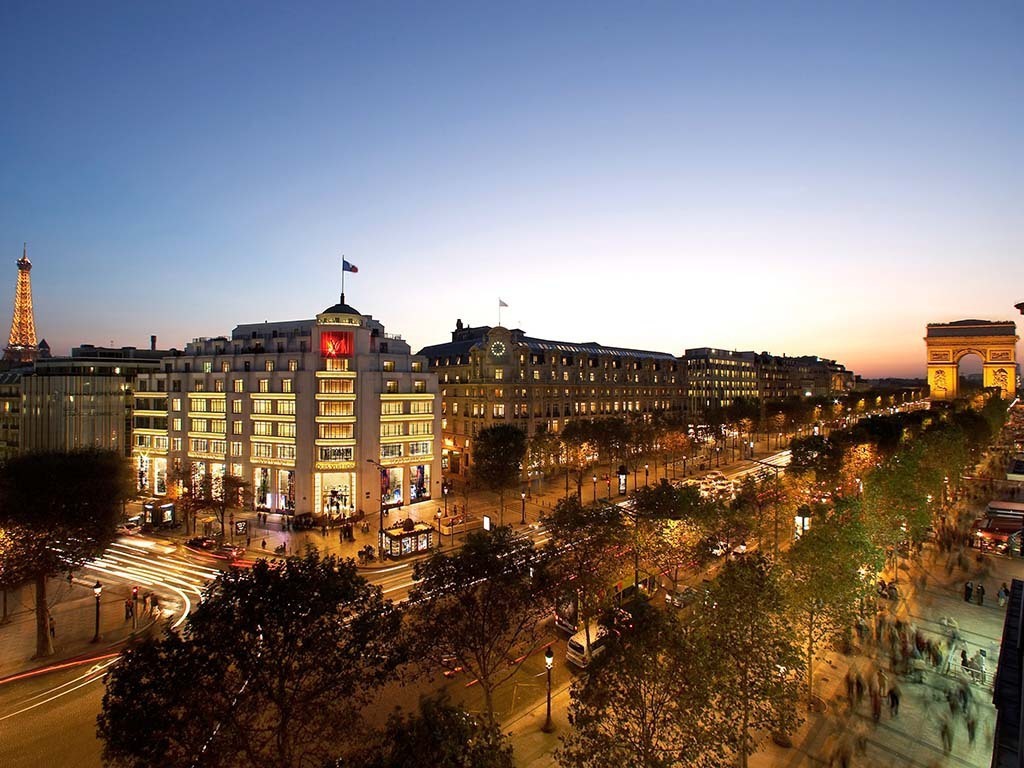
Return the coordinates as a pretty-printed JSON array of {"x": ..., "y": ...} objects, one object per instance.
[
  {"x": 494, "y": 375},
  {"x": 716, "y": 377},
  {"x": 10, "y": 411},
  {"x": 948, "y": 343},
  {"x": 323, "y": 416}
]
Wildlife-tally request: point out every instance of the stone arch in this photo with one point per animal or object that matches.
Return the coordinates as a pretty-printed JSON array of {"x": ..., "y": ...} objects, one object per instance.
[{"x": 948, "y": 343}]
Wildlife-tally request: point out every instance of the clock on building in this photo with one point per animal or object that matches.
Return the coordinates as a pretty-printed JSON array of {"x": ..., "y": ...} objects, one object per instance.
[{"x": 498, "y": 349}]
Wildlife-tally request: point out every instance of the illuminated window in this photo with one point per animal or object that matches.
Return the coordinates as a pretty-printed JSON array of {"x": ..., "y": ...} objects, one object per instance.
[
  {"x": 286, "y": 429},
  {"x": 287, "y": 407},
  {"x": 389, "y": 365},
  {"x": 199, "y": 425},
  {"x": 391, "y": 386},
  {"x": 286, "y": 452},
  {"x": 262, "y": 450},
  {"x": 419, "y": 386},
  {"x": 262, "y": 428},
  {"x": 176, "y": 404},
  {"x": 335, "y": 431},
  {"x": 268, "y": 366},
  {"x": 286, "y": 385},
  {"x": 391, "y": 429},
  {"x": 236, "y": 427},
  {"x": 293, "y": 365},
  {"x": 225, "y": 367},
  {"x": 419, "y": 449},
  {"x": 421, "y": 406},
  {"x": 207, "y": 366},
  {"x": 335, "y": 453},
  {"x": 335, "y": 408},
  {"x": 236, "y": 406},
  {"x": 393, "y": 451},
  {"x": 261, "y": 406},
  {"x": 197, "y": 406},
  {"x": 417, "y": 366},
  {"x": 421, "y": 427},
  {"x": 264, "y": 385},
  {"x": 336, "y": 386},
  {"x": 176, "y": 425},
  {"x": 239, "y": 385},
  {"x": 236, "y": 450},
  {"x": 218, "y": 426},
  {"x": 499, "y": 374},
  {"x": 176, "y": 443},
  {"x": 499, "y": 410},
  {"x": 390, "y": 408}
]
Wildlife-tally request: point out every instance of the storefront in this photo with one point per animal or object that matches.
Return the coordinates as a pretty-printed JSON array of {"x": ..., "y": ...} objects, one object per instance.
[
  {"x": 261, "y": 487},
  {"x": 419, "y": 483},
  {"x": 337, "y": 493},
  {"x": 158, "y": 515},
  {"x": 391, "y": 487},
  {"x": 286, "y": 490}
]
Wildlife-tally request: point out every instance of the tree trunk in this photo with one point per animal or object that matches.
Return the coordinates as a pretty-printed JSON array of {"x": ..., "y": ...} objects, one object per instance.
[
  {"x": 44, "y": 643},
  {"x": 5, "y": 618}
]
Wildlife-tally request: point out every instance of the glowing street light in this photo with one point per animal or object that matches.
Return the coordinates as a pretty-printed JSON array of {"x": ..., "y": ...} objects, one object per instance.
[{"x": 549, "y": 662}]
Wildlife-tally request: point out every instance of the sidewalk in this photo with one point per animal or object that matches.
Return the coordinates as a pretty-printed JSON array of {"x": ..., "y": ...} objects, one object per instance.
[
  {"x": 911, "y": 738},
  {"x": 73, "y": 608}
]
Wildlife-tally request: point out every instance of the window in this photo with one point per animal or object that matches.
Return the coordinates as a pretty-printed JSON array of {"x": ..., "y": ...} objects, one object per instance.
[
  {"x": 536, "y": 375},
  {"x": 391, "y": 386},
  {"x": 236, "y": 450},
  {"x": 293, "y": 365},
  {"x": 391, "y": 451},
  {"x": 336, "y": 386},
  {"x": 198, "y": 445},
  {"x": 236, "y": 427},
  {"x": 287, "y": 407},
  {"x": 176, "y": 404},
  {"x": 390, "y": 408},
  {"x": 420, "y": 428},
  {"x": 286, "y": 429},
  {"x": 335, "y": 408},
  {"x": 499, "y": 410},
  {"x": 286, "y": 385},
  {"x": 217, "y": 406},
  {"x": 335, "y": 453},
  {"x": 335, "y": 431},
  {"x": 197, "y": 406},
  {"x": 499, "y": 374},
  {"x": 160, "y": 443},
  {"x": 263, "y": 428},
  {"x": 198, "y": 386},
  {"x": 264, "y": 385},
  {"x": 419, "y": 386},
  {"x": 286, "y": 452},
  {"x": 236, "y": 406},
  {"x": 199, "y": 425},
  {"x": 236, "y": 469},
  {"x": 389, "y": 365},
  {"x": 224, "y": 368},
  {"x": 261, "y": 406},
  {"x": 421, "y": 406},
  {"x": 176, "y": 385},
  {"x": 218, "y": 426},
  {"x": 268, "y": 366},
  {"x": 419, "y": 449},
  {"x": 336, "y": 364},
  {"x": 262, "y": 451},
  {"x": 176, "y": 425},
  {"x": 218, "y": 446},
  {"x": 176, "y": 444},
  {"x": 239, "y": 385},
  {"x": 417, "y": 366},
  {"x": 391, "y": 429},
  {"x": 207, "y": 366}
]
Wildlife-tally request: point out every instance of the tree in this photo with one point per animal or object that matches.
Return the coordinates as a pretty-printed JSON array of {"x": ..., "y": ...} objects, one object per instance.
[
  {"x": 579, "y": 450},
  {"x": 498, "y": 460},
  {"x": 647, "y": 702},
  {"x": 272, "y": 669},
  {"x": 440, "y": 734},
  {"x": 58, "y": 511},
  {"x": 220, "y": 494},
  {"x": 758, "y": 683},
  {"x": 481, "y": 606},
  {"x": 824, "y": 576},
  {"x": 582, "y": 556}
]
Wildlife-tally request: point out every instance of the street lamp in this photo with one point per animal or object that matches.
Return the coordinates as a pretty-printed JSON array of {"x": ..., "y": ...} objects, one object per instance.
[
  {"x": 751, "y": 449},
  {"x": 522, "y": 495},
  {"x": 647, "y": 473},
  {"x": 595, "y": 489},
  {"x": 549, "y": 662},
  {"x": 718, "y": 455},
  {"x": 444, "y": 492},
  {"x": 380, "y": 524},
  {"x": 97, "y": 590},
  {"x": 439, "y": 529}
]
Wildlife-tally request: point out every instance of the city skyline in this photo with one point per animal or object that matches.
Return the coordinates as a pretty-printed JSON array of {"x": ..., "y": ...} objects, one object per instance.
[{"x": 810, "y": 181}]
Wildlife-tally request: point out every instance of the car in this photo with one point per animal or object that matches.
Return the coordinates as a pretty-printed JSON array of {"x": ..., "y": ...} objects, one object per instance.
[
  {"x": 131, "y": 528},
  {"x": 719, "y": 549},
  {"x": 600, "y": 637},
  {"x": 682, "y": 598},
  {"x": 740, "y": 549},
  {"x": 201, "y": 544},
  {"x": 230, "y": 551}
]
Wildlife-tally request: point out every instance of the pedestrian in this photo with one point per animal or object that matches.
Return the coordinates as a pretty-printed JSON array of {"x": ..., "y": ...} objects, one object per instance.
[
  {"x": 850, "y": 688},
  {"x": 946, "y": 732},
  {"x": 53, "y": 627},
  {"x": 248, "y": 541},
  {"x": 1003, "y": 594},
  {"x": 263, "y": 544},
  {"x": 980, "y": 592},
  {"x": 965, "y": 664},
  {"x": 968, "y": 591},
  {"x": 972, "y": 728},
  {"x": 876, "y": 704},
  {"x": 127, "y": 610},
  {"x": 894, "y": 700}
]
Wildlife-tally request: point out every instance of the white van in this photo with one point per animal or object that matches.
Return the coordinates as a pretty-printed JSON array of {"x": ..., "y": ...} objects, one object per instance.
[{"x": 576, "y": 649}]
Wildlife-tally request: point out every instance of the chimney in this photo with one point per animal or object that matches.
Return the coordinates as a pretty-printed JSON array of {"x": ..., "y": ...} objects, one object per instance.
[{"x": 152, "y": 343}]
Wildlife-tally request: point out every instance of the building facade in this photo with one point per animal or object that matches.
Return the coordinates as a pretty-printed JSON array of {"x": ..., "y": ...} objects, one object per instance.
[
  {"x": 717, "y": 377},
  {"x": 496, "y": 375},
  {"x": 324, "y": 416},
  {"x": 82, "y": 401}
]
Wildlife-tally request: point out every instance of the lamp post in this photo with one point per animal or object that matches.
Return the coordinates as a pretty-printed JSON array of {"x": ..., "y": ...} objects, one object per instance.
[
  {"x": 595, "y": 489},
  {"x": 718, "y": 455},
  {"x": 444, "y": 492},
  {"x": 439, "y": 530},
  {"x": 751, "y": 449},
  {"x": 647, "y": 474},
  {"x": 549, "y": 662},
  {"x": 380, "y": 523},
  {"x": 522, "y": 496},
  {"x": 97, "y": 590}
]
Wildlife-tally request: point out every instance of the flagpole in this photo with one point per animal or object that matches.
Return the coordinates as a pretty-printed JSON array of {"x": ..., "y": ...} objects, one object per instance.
[
  {"x": 499, "y": 311},
  {"x": 343, "y": 278}
]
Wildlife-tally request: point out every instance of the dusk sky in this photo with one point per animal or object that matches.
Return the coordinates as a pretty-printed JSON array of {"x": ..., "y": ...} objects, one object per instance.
[{"x": 802, "y": 178}]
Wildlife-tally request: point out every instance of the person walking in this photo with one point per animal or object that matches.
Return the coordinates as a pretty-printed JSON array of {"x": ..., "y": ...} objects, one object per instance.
[
  {"x": 1003, "y": 594},
  {"x": 128, "y": 610},
  {"x": 263, "y": 544},
  {"x": 968, "y": 591},
  {"x": 946, "y": 732},
  {"x": 980, "y": 592},
  {"x": 894, "y": 700}
]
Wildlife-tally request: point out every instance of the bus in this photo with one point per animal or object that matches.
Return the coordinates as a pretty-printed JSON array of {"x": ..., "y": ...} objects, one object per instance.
[{"x": 620, "y": 596}]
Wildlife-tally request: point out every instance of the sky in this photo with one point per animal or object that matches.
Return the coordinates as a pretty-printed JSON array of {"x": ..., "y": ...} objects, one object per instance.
[{"x": 802, "y": 178}]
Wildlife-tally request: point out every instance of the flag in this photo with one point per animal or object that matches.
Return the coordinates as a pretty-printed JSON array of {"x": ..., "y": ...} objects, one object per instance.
[
  {"x": 346, "y": 267},
  {"x": 502, "y": 303}
]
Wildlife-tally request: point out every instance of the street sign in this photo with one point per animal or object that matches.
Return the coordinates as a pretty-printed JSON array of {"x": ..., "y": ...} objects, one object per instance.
[
  {"x": 487, "y": 522},
  {"x": 241, "y": 527}
]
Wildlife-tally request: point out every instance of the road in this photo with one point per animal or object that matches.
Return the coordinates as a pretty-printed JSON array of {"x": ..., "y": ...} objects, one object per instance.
[{"x": 65, "y": 701}]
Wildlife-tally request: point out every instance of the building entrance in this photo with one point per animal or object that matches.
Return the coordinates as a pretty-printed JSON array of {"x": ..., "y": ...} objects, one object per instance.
[{"x": 995, "y": 342}]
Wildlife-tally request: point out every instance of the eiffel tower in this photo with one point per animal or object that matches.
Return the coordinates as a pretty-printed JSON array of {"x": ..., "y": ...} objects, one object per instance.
[{"x": 21, "y": 345}]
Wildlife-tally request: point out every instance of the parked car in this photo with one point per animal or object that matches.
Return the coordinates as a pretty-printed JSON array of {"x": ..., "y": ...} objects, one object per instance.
[{"x": 683, "y": 598}]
